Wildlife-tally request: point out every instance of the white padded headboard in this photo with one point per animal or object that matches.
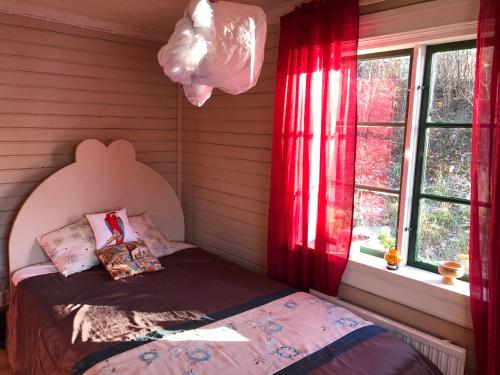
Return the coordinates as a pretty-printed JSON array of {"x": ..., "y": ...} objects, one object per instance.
[{"x": 101, "y": 179}]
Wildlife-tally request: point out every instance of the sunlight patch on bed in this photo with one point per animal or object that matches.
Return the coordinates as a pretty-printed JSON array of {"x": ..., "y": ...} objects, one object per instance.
[
  {"x": 112, "y": 324},
  {"x": 218, "y": 334}
]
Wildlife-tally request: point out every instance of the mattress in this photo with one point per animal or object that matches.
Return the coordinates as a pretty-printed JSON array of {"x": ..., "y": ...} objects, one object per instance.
[{"x": 175, "y": 321}]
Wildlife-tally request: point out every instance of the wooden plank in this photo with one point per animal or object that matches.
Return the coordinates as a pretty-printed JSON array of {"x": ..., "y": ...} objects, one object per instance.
[
  {"x": 57, "y": 27},
  {"x": 57, "y": 80},
  {"x": 259, "y": 195},
  {"x": 69, "y": 147},
  {"x": 166, "y": 167},
  {"x": 235, "y": 213},
  {"x": 4, "y": 231},
  {"x": 256, "y": 141},
  {"x": 229, "y": 223},
  {"x": 238, "y": 178},
  {"x": 11, "y": 203},
  {"x": 51, "y": 66},
  {"x": 268, "y": 71},
  {"x": 16, "y": 47},
  {"x": 240, "y": 114},
  {"x": 273, "y": 28},
  {"x": 20, "y": 189},
  {"x": 42, "y": 107},
  {"x": 264, "y": 85},
  {"x": 84, "y": 122},
  {"x": 171, "y": 178},
  {"x": 229, "y": 199},
  {"x": 225, "y": 102},
  {"x": 35, "y": 161},
  {"x": 229, "y": 126},
  {"x": 25, "y": 175},
  {"x": 273, "y": 40},
  {"x": 7, "y": 217},
  {"x": 210, "y": 241},
  {"x": 77, "y": 134},
  {"x": 228, "y": 234},
  {"x": 242, "y": 153},
  {"x": 231, "y": 258},
  {"x": 271, "y": 55},
  {"x": 77, "y": 95},
  {"x": 26, "y": 33},
  {"x": 210, "y": 162}
]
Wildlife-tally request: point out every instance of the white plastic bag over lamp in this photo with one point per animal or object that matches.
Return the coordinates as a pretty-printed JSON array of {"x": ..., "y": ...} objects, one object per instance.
[{"x": 219, "y": 44}]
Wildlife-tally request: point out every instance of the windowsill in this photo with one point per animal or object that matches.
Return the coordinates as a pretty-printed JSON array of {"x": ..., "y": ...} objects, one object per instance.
[
  {"x": 415, "y": 274},
  {"x": 418, "y": 289}
]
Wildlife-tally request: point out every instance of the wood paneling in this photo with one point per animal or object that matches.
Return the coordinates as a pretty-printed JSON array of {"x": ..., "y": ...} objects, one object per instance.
[
  {"x": 60, "y": 85},
  {"x": 226, "y": 164}
]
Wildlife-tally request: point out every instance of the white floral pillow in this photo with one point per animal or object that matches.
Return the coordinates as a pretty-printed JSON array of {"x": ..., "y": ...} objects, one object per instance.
[
  {"x": 71, "y": 248},
  {"x": 146, "y": 231}
]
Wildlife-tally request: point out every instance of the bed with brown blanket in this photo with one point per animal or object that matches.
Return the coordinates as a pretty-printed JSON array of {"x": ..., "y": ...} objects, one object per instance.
[
  {"x": 81, "y": 324},
  {"x": 199, "y": 315}
]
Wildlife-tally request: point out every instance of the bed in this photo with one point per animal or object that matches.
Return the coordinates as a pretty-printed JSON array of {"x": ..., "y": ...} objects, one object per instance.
[{"x": 200, "y": 315}]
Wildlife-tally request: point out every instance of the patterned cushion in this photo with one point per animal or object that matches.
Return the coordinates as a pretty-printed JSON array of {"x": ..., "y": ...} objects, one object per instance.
[
  {"x": 146, "y": 231},
  {"x": 111, "y": 228},
  {"x": 71, "y": 248},
  {"x": 128, "y": 259}
]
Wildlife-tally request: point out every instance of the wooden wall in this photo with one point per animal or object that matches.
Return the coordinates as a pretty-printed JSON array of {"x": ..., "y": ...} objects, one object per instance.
[
  {"x": 61, "y": 84},
  {"x": 226, "y": 166}
]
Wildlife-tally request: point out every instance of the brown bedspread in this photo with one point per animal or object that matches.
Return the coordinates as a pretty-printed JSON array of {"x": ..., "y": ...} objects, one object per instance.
[{"x": 56, "y": 323}]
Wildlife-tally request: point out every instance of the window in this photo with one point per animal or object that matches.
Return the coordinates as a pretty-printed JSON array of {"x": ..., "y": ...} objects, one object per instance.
[
  {"x": 441, "y": 198},
  {"x": 383, "y": 83},
  {"x": 429, "y": 222}
]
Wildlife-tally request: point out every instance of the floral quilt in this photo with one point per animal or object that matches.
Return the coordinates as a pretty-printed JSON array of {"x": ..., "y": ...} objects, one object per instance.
[{"x": 283, "y": 336}]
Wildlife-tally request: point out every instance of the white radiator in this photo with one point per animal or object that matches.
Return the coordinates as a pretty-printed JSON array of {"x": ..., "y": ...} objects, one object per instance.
[{"x": 449, "y": 358}]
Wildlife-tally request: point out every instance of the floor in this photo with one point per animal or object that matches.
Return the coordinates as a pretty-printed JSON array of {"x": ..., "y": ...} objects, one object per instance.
[{"x": 4, "y": 364}]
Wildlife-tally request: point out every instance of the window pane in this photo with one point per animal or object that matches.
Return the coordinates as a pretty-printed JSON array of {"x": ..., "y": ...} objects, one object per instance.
[
  {"x": 452, "y": 86},
  {"x": 375, "y": 219},
  {"x": 447, "y": 162},
  {"x": 443, "y": 232},
  {"x": 383, "y": 89},
  {"x": 379, "y": 156}
]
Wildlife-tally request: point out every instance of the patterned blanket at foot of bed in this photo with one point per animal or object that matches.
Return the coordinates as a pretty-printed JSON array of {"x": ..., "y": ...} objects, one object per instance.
[{"x": 292, "y": 334}]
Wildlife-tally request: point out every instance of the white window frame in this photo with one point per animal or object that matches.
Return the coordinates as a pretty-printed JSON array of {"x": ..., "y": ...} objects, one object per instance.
[{"x": 440, "y": 21}]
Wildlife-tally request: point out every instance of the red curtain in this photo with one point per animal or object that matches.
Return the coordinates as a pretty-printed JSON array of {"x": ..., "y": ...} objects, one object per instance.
[
  {"x": 485, "y": 193},
  {"x": 314, "y": 142}
]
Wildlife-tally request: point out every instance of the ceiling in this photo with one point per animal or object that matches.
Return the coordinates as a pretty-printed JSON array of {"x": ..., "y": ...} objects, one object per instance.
[{"x": 150, "y": 19}]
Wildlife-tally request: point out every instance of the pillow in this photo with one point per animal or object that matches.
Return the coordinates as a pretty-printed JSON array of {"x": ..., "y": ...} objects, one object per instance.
[
  {"x": 111, "y": 228},
  {"x": 146, "y": 231},
  {"x": 70, "y": 248},
  {"x": 128, "y": 259}
]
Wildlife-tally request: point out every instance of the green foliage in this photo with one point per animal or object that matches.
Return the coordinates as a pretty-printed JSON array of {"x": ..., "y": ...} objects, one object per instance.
[{"x": 387, "y": 241}]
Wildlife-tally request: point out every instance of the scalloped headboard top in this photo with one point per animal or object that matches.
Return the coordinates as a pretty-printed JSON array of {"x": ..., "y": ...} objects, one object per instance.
[{"x": 101, "y": 179}]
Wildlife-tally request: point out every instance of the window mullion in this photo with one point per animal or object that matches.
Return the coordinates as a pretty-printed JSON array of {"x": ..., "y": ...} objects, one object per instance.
[{"x": 411, "y": 137}]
